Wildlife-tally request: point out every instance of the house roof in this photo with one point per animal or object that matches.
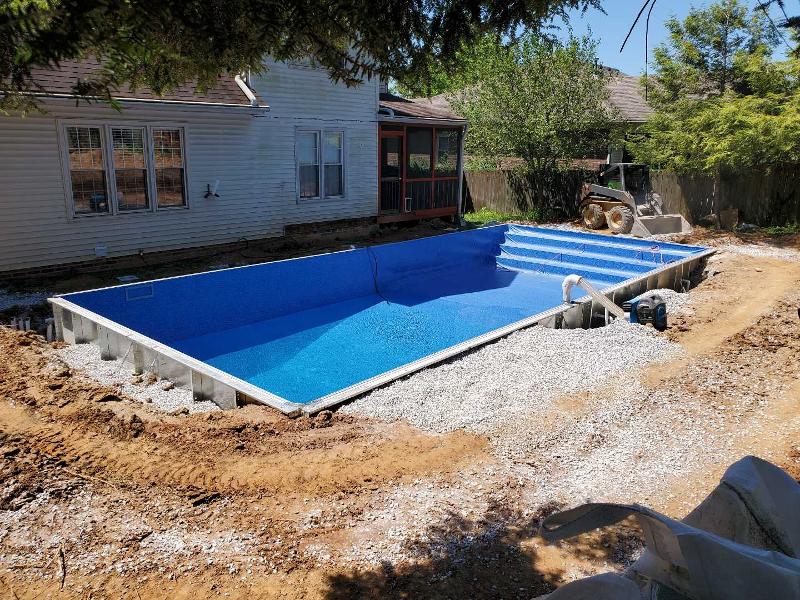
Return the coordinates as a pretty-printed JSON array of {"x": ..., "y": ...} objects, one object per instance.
[
  {"x": 61, "y": 80},
  {"x": 626, "y": 96},
  {"x": 436, "y": 107}
]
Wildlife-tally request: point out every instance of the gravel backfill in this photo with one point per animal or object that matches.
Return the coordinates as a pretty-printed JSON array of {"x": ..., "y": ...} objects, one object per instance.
[
  {"x": 487, "y": 390},
  {"x": 9, "y": 299},
  {"x": 85, "y": 358}
]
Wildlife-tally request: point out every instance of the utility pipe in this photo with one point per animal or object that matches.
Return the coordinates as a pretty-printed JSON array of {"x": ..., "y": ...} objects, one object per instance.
[{"x": 571, "y": 281}]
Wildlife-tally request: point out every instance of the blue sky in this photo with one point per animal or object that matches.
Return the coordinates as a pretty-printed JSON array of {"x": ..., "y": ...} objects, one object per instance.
[{"x": 610, "y": 28}]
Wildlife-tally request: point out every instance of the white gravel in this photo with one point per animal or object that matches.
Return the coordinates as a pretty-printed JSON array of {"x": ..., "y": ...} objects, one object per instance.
[
  {"x": 763, "y": 251},
  {"x": 85, "y": 358},
  {"x": 9, "y": 299},
  {"x": 677, "y": 303},
  {"x": 488, "y": 390}
]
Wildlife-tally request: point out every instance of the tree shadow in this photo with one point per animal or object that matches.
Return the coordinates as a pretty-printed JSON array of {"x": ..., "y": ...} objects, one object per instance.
[
  {"x": 492, "y": 557},
  {"x": 619, "y": 545}
]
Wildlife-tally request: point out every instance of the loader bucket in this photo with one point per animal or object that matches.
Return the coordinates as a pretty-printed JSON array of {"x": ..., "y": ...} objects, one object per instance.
[{"x": 645, "y": 226}]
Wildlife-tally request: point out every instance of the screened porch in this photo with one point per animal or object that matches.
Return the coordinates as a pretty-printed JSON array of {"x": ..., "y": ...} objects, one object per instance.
[{"x": 419, "y": 171}]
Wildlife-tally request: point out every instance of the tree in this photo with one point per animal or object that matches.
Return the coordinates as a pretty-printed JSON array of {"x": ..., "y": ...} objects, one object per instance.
[
  {"x": 704, "y": 53},
  {"x": 164, "y": 43},
  {"x": 543, "y": 101},
  {"x": 729, "y": 134},
  {"x": 465, "y": 68},
  {"x": 722, "y": 104}
]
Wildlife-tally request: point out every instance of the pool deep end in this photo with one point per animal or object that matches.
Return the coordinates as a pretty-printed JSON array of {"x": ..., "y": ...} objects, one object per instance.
[{"x": 311, "y": 332}]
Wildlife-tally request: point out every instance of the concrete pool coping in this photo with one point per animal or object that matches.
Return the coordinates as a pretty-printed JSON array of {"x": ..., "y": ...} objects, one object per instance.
[{"x": 75, "y": 324}]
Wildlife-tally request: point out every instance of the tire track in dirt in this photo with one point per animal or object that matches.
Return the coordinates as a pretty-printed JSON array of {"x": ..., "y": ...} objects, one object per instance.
[{"x": 252, "y": 450}]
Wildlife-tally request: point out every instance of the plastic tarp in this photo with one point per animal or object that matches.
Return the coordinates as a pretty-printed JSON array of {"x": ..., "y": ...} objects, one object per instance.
[{"x": 684, "y": 561}]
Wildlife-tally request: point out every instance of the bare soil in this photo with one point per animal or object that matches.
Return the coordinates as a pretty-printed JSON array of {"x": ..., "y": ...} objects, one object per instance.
[{"x": 104, "y": 497}]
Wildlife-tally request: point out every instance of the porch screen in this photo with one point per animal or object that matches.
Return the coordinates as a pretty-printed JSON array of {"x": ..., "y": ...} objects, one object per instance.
[{"x": 420, "y": 148}]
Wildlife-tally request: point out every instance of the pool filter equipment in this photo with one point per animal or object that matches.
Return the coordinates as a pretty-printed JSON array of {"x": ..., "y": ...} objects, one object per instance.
[{"x": 647, "y": 308}]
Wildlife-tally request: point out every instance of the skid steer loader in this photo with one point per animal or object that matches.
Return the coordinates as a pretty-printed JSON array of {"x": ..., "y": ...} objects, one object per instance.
[{"x": 624, "y": 200}]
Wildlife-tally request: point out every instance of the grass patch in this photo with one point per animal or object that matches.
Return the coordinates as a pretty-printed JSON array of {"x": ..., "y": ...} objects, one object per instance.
[
  {"x": 484, "y": 216},
  {"x": 782, "y": 230}
]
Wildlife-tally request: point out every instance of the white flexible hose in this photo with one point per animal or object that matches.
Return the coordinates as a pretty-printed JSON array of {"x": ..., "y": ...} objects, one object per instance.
[{"x": 571, "y": 281}]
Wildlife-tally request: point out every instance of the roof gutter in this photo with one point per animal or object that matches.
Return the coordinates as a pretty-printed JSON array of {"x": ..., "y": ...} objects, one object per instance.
[
  {"x": 421, "y": 120},
  {"x": 98, "y": 100}
]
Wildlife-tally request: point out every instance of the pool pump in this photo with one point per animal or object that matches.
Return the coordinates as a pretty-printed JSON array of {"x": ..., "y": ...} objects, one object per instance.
[{"x": 647, "y": 308}]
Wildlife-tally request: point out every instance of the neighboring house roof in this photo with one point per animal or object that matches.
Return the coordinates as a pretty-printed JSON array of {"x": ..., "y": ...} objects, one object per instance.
[
  {"x": 436, "y": 107},
  {"x": 61, "y": 80},
  {"x": 627, "y": 97}
]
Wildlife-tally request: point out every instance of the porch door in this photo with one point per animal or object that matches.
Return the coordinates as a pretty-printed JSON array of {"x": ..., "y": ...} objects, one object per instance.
[{"x": 391, "y": 171}]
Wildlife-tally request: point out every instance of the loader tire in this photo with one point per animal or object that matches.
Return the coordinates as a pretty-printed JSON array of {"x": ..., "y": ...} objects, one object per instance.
[
  {"x": 593, "y": 216},
  {"x": 620, "y": 219}
]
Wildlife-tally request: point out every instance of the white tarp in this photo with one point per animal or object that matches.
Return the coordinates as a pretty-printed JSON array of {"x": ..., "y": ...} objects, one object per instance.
[{"x": 741, "y": 543}]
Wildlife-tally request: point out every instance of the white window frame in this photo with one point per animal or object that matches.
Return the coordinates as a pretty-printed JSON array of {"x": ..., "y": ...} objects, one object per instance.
[
  {"x": 108, "y": 165},
  {"x": 320, "y": 160}
]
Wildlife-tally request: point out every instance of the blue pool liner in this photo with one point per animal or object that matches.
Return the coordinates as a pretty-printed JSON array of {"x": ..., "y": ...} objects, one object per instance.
[{"x": 305, "y": 328}]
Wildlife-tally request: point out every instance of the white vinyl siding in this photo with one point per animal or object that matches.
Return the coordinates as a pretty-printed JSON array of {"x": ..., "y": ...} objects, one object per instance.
[{"x": 250, "y": 152}]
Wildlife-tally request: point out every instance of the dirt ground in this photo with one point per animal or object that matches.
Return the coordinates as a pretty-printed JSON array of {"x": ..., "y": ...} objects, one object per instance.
[{"x": 104, "y": 497}]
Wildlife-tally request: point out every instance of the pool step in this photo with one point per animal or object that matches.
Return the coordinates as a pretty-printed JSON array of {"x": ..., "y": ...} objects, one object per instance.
[
  {"x": 654, "y": 253},
  {"x": 613, "y": 240},
  {"x": 557, "y": 267},
  {"x": 577, "y": 256}
]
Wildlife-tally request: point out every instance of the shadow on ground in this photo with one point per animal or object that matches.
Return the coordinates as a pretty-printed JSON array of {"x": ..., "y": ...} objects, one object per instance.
[{"x": 495, "y": 557}]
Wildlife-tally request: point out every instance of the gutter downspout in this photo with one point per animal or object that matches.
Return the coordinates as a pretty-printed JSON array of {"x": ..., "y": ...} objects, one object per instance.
[{"x": 246, "y": 90}]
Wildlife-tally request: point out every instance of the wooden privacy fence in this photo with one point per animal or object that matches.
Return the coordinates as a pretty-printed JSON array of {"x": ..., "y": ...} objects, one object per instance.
[
  {"x": 510, "y": 191},
  {"x": 761, "y": 198}
]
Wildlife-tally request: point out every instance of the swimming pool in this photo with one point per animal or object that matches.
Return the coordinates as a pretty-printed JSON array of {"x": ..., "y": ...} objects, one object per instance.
[{"x": 303, "y": 334}]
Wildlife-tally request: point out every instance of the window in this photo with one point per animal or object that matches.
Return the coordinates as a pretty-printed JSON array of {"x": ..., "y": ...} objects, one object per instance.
[
  {"x": 334, "y": 167},
  {"x": 308, "y": 159},
  {"x": 145, "y": 166},
  {"x": 87, "y": 170},
  {"x": 130, "y": 171},
  {"x": 168, "y": 155},
  {"x": 320, "y": 164}
]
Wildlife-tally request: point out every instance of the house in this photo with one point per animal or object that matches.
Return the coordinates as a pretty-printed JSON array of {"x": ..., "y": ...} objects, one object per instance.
[
  {"x": 83, "y": 183},
  {"x": 627, "y": 99}
]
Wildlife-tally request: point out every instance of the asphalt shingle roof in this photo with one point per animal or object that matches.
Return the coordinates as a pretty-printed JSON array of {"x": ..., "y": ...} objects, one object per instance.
[
  {"x": 436, "y": 107},
  {"x": 627, "y": 97},
  {"x": 62, "y": 80},
  {"x": 624, "y": 90}
]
